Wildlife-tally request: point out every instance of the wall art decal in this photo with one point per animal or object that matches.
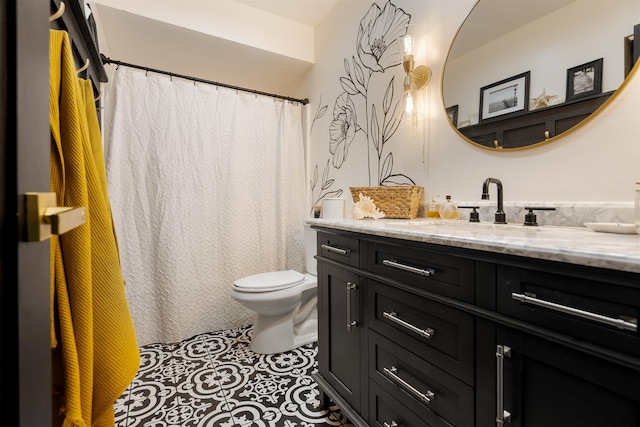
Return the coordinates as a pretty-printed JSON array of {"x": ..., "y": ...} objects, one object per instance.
[
  {"x": 356, "y": 110},
  {"x": 320, "y": 112}
]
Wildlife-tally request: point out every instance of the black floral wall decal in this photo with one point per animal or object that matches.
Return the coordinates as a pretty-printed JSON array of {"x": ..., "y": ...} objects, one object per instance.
[
  {"x": 377, "y": 51},
  {"x": 322, "y": 109}
]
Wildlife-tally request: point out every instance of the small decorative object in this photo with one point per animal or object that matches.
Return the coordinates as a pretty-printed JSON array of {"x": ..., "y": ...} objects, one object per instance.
[
  {"x": 543, "y": 100},
  {"x": 452, "y": 113},
  {"x": 504, "y": 97},
  {"x": 448, "y": 210},
  {"x": 333, "y": 208},
  {"x": 366, "y": 208},
  {"x": 584, "y": 80}
]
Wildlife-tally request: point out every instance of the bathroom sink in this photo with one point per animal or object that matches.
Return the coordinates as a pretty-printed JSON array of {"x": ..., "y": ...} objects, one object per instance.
[{"x": 437, "y": 225}]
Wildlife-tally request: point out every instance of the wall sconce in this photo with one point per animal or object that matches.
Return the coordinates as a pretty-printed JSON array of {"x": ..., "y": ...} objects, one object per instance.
[{"x": 416, "y": 78}]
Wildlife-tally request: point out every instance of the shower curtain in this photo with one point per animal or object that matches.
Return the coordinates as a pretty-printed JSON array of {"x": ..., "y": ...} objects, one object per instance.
[{"x": 207, "y": 185}]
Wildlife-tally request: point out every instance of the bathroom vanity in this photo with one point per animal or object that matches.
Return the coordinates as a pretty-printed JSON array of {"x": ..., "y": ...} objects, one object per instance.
[{"x": 440, "y": 324}]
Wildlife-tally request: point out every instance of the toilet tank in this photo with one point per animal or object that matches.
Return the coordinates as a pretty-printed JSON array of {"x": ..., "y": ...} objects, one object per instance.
[{"x": 310, "y": 249}]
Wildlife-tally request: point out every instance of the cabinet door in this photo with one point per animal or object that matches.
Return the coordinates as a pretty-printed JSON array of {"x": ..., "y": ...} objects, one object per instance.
[
  {"x": 339, "y": 336},
  {"x": 547, "y": 384}
]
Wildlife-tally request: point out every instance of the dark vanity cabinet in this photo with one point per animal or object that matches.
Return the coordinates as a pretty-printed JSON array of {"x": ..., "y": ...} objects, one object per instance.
[
  {"x": 540, "y": 382},
  {"x": 341, "y": 328},
  {"x": 568, "y": 352},
  {"x": 434, "y": 335}
]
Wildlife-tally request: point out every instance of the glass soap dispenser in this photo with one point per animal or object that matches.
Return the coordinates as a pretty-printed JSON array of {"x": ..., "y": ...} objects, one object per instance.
[
  {"x": 448, "y": 210},
  {"x": 433, "y": 207}
]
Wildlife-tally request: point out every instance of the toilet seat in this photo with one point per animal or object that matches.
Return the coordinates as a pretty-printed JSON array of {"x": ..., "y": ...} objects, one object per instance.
[{"x": 267, "y": 282}]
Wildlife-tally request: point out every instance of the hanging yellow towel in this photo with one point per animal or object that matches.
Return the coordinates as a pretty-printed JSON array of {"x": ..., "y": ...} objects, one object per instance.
[{"x": 96, "y": 354}]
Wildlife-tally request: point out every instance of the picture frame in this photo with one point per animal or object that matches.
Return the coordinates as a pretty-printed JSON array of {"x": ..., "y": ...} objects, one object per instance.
[
  {"x": 584, "y": 80},
  {"x": 505, "y": 97},
  {"x": 452, "y": 114}
]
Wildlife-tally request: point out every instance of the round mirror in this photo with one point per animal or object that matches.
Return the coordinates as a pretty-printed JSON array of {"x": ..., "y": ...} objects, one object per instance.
[{"x": 522, "y": 72}]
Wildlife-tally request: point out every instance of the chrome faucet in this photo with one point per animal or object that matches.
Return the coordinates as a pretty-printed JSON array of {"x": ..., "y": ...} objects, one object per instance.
[{"x": 501, "y": 218}]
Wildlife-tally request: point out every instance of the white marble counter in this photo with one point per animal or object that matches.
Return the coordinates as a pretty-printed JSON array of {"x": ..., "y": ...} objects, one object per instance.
[{"x": 574, "y": 245}]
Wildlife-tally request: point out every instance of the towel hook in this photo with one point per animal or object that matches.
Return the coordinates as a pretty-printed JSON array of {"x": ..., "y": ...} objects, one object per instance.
[
  {"x": 58, "y": 13},
  {"x": 84, "y": 67},
  {"x": 99, "y": 96}
]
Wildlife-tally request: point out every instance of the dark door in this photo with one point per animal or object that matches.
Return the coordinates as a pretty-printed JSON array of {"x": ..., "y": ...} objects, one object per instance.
[
  {"x": 548, "y": 384},
  {"x": 339, "y": 344},
  {"x": 25, "y": 358}
]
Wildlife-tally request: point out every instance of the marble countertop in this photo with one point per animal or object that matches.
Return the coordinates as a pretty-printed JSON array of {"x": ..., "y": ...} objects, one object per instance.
[{"x": 573, "y": 245}]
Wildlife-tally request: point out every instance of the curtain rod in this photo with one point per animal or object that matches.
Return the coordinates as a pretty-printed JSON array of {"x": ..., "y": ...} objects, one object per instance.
[{"x": 106, "y": 60}]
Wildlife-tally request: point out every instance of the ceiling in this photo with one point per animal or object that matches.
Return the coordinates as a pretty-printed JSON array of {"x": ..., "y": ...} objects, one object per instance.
[
  {"x": 308, "y": 12},
  {"x": 134, "y": 38}
]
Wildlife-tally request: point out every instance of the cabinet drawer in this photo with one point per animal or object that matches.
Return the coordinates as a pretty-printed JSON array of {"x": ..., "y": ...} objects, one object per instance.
[
  {"x": 600, "y": 310},
  {"x": 437, "y": 272},
  {"x": 422, "y": 387},
  {"x": 339, "y": 248},
  {"x": 440, "y": 334},
  {"x": 385, "y": 410}
]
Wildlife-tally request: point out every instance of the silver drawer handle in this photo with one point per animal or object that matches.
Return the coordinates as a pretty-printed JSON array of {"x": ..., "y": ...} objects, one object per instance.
[
  {"x": 393, "y": 424},
  {"x": 502, "y": 416},
  {"x": 425, "y": 397},
  {"x": 350, "y": 323},
  {"x": 335, "y": 250},
  {"x": 393, "y": 316},
  {"x": 421, "y": 271},
  {"x": 631, "y": 325}
]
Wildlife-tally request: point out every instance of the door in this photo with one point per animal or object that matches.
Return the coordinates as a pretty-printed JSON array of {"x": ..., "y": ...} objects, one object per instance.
[
  {"x": 25, "y": 357},
  {"x": 339, "y": 332},
  {"x": 547, "y": 384}
]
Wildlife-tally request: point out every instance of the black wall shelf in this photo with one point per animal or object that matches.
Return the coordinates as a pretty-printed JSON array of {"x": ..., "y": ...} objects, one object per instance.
[{"x": 531, "y": 127}]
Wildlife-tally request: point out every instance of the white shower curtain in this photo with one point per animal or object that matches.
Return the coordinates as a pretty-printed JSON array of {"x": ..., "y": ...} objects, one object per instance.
[{"x": 206, "y": 185}]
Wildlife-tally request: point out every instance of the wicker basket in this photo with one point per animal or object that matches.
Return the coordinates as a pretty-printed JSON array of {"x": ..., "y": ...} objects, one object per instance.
[{"x": 396, "y": 202}]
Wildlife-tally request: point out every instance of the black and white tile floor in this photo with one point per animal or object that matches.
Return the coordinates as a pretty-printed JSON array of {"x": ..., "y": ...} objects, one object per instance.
[{"x": 215, "y": 379}]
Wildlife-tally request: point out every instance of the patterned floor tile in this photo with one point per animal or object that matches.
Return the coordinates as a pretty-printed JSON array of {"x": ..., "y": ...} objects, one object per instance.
[{"x": 215, "y": 380}]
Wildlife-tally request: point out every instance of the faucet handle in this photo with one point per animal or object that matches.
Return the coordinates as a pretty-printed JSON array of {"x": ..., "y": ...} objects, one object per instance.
[
  {"x": 474, "y": 216},
  {"x": 530, "y": 218}
]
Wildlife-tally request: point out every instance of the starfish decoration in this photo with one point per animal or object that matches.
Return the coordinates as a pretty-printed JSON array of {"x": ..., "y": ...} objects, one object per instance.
[{"x": 543, "y": 100}]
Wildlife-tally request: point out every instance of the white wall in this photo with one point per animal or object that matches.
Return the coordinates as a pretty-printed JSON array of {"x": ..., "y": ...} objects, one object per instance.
[{"x": 600, "y": 162}]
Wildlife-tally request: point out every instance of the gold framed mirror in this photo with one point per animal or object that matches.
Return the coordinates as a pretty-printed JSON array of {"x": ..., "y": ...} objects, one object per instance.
[{"x": 576, "y": 54}]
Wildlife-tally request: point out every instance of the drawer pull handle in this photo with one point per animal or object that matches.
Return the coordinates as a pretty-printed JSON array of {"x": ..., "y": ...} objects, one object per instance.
[
  {"x": 391, "y": 373},
  {"x": 393, "y": 424},
  {"x": 335, "y": 250},
  {"x": 502, "y": 416},
  {"x": 350, "y": 323},
  {"x": 630, "y": 325},
  {"x": 421, "y": 271},
  {"x": 393, "y": 316}
]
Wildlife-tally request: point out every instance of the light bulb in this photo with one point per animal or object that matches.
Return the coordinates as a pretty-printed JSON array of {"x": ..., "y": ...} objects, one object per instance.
[
  {"x": 408, "y": 44},
  {"x": 408, "y": 102}
]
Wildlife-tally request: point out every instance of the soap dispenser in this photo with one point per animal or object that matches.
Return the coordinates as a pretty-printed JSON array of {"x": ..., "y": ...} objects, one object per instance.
[
  {"x": 433, "y": 207},
  {"x": 448, "y": 210}
]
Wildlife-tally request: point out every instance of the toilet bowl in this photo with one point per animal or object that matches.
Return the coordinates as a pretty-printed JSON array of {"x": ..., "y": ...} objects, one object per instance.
[{"x": 284, "y": 303}]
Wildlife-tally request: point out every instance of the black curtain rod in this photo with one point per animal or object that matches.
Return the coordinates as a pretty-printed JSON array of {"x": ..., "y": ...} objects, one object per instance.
[{"x": 106, "y": 60}]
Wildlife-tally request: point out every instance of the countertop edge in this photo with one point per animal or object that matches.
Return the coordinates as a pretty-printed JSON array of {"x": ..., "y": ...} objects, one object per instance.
[{"x": 569, "y": 245}]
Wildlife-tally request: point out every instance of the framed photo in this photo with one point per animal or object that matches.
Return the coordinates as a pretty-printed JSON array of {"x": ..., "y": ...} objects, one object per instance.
[
  {"x": 504, "y": 97},
  {"x": 452, "y": 113},
  {"x": 584, "y": 80}
]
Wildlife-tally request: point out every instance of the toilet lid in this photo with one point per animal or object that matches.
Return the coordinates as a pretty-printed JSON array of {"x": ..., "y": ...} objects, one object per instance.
[{"x": 271, "y": 281}]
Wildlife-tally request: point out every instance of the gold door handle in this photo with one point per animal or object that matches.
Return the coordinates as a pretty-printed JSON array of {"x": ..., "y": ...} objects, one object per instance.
[{"x": 45, "y": 218}]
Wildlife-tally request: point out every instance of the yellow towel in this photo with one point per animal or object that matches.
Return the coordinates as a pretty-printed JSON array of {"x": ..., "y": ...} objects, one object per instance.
[{"x": 96, "y": 356}]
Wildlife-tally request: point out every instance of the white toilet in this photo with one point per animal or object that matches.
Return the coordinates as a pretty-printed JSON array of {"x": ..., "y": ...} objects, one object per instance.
[{"x": 284, "y": 303}]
